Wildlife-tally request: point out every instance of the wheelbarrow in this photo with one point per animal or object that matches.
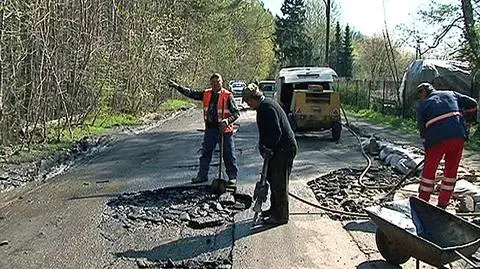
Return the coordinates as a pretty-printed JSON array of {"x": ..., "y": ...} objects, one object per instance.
[{"x": 415, "y": 228}]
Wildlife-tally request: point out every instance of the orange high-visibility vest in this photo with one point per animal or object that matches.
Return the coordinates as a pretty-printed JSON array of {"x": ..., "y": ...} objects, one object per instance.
[{"x": 222, "y": 105}]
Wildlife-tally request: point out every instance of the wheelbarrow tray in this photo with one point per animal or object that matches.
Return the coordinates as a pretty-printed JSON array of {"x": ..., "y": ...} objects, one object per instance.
[{"x": 426, "y": 232}]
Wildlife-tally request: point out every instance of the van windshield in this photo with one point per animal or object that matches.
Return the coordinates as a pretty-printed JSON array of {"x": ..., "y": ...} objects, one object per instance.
[
  {"x": 238, "y": 85},
  {"x": 268, "y": 88}
]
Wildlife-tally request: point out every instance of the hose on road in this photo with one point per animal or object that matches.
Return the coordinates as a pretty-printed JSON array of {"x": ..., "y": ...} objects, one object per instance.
[{"x": 391, "y": 187}]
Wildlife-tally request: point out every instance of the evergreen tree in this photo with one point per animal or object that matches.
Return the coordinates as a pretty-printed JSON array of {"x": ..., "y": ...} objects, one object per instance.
[
  {"x": 294, "y": 48},
  {"x": 347, "y": 54},
  {"x": 336, "y": 49}
]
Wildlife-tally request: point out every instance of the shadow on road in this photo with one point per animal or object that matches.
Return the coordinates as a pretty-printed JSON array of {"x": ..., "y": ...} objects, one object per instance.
[
  {"x": 377, "y": 264},
  {"x": 366, "y": 226},
  {"x": 314, "y": 135},
  {"x": 93, "y": 196},
  {"x": 191, "y": 247}
]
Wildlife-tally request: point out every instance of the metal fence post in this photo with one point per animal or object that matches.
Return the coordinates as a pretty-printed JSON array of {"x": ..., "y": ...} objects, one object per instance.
[
  {"x": 356, "y": 94},
  {"x": 383, "y": 97},
  {"x": 369, "y": 93},
  {"x": 404, "y": 107},
  {"x": 347, "y": 93}
]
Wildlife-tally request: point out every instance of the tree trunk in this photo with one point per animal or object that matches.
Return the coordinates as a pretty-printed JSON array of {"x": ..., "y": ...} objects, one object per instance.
[{"x": 470, "y": 32}]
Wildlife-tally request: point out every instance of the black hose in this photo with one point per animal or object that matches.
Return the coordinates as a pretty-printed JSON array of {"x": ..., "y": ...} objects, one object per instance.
[
  {"x": 369, "y": 160},
  {"x": 329, "y": 209},
  {"x": 392, "y": 187},
  {"x": 360, "y": 180}
]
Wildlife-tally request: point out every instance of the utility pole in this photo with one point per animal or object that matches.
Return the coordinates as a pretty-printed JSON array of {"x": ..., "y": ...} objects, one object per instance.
[{"x": 327, "y": 37}]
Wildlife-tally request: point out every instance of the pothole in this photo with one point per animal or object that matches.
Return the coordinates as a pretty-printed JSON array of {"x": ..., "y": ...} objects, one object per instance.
[
  {"x": 192, "y": 227},
  {"x": 193, "y": 207},
  {"x": 340, "y": 189},
  {"x": 188, "y": 264}
]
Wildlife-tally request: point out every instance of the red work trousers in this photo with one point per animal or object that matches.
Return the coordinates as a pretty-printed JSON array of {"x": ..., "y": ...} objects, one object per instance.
[{"x": 450, "y": 150}]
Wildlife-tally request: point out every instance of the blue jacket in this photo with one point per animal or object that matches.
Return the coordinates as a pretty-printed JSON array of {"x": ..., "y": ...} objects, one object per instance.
[{"x": 440, "y": 116}]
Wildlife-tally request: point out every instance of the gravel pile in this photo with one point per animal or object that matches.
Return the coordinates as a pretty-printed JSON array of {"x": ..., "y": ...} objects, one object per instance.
[{"x": 188, "y": 264}]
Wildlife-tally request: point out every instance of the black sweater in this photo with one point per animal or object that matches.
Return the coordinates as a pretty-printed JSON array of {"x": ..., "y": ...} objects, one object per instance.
[{"x": 273, "y": 126}]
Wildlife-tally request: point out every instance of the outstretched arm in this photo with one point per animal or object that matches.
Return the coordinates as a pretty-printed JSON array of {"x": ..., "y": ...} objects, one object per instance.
[{"x": 193, "y": 94}]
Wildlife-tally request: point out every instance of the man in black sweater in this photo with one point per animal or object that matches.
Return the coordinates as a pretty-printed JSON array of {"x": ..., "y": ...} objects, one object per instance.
[
  {"x": 219, "y": 113},
  {"x": 277, "y": 142}
]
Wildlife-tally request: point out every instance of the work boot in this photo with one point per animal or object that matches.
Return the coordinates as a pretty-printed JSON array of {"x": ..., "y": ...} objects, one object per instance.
[
  {"x": 444, "y": 207},
  {"x": 274, "y": 221},
  {"x": 198, "y": 179},
  {"x": 266, "y": 213},
  {"x": 232, "y": 182}
]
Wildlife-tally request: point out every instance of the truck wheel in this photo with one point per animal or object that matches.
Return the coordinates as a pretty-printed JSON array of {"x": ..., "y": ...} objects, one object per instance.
[
  {"x": 336, "y": 131},
  {"x": 389, "y": 250}
]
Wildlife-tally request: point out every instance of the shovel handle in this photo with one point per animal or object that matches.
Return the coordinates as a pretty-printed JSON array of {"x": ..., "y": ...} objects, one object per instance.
[
  {"x": 463, "y": 257},
  {"x": 220, "y": 132},
  {"x": 407, "y": 176}
]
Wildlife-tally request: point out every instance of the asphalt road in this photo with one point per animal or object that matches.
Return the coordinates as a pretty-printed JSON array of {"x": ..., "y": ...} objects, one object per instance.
[{"x": 62, "y": 223}]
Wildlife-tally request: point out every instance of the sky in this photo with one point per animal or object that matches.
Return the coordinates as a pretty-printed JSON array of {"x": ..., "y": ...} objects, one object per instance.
[{"x": 366, "y": 16}]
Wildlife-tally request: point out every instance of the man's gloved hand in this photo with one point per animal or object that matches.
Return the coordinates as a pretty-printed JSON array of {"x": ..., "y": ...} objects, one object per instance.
[
  {"x": 470, "y": 117},
  {"x": 223, "y": 124},
  {"x": 261, "y": 191},
  {"x": 264, "y": 151},
  {"x": 173, "y": 84}
]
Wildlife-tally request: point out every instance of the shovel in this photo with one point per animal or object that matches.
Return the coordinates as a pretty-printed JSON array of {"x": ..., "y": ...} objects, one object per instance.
[
  {"x": 219, "y": 185},
  {"x": 389, "y": 196}
]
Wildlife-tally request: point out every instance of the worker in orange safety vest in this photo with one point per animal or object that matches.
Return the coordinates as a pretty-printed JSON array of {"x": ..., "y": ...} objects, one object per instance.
[{"x": 219, "y": 114}]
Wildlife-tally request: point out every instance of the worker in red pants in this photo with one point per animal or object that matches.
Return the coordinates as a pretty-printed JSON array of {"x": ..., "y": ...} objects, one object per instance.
[{"x": 443, "y": 120}]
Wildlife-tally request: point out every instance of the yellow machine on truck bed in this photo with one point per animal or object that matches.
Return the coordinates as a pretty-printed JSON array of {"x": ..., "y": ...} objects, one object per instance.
[{"x": 307, "y": 96}]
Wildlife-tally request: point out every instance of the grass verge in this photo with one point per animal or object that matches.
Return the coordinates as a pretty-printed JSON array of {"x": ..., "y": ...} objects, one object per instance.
[
  {"x": 174, "y": 104},
  {"x": 62, "y": 139},
  {"x": 406, "y": 125}
]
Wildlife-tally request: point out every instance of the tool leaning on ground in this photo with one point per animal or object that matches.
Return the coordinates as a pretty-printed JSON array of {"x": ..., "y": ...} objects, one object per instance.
[
  {"x": 261, "y": 190},
  {"x": 219, "y": 185},
  {"x": 389, "y": 196}
]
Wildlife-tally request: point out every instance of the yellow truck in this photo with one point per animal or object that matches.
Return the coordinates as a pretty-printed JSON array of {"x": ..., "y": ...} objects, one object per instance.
[{"x": 309, "y": 100}]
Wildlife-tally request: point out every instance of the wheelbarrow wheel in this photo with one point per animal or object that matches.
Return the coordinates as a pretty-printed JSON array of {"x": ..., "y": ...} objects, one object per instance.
[{"x": 389, "y": 249}]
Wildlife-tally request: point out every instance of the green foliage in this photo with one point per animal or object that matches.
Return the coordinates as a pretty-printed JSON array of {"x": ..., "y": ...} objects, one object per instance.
[
  {"x": 92, "y": 127},
  {"x": 315, "y": 27},
  {"x": 375, "y": 66},
  {"x": 407, "y": 125},
  {"x": 294, "y": 45},
  {"x": 336, "y": 49},
  {"x": 174, "y": 104},
  {"x": 346, "y": 55},
  {"x": 450, "y": 33},
  {"x": 110, "y": 60},
  {"x": 341, "y": 57}
]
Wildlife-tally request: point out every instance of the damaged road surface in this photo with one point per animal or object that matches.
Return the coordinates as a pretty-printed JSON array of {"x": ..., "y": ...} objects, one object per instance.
[{"x": 133, "y": 206}]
